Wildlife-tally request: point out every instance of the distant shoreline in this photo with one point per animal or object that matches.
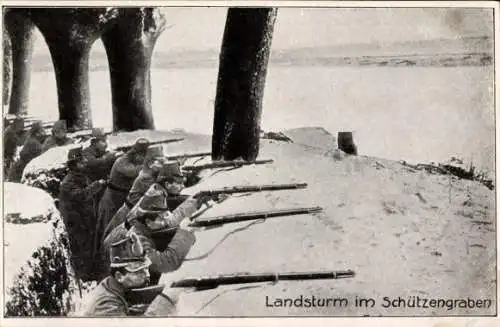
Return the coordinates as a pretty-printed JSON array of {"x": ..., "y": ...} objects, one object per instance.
[
  {"x": 437, "y": 60},
  {"x": 467, "y": 51}
]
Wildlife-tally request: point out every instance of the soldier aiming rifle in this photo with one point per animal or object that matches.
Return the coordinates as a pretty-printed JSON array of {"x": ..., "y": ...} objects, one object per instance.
[
  {"x": 166, "y": 230},
  {"x": 147, "y": 294},
  {"x": 125, "y": 148},
  {"x": 129, "y": 269},
  {"x": 227, "y": 219},
  {"x": 192, "y": 172}
]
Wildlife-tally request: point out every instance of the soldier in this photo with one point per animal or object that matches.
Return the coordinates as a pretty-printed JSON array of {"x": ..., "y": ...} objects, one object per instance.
[
  {"x": 170, "y": 181},
  {"x": 150, "y": 214},
  {"x": 99, "y": 161},
  {"x": 32, "y": 148},
  {"x": 58, "y": 137},
  {"x": 12, "y": 138},
  {"x": 147, "y": 176},
  {"x": 123, "y": 173},
  {"x": 128, "y": 270},
  {"x": 77, "y": 206}
]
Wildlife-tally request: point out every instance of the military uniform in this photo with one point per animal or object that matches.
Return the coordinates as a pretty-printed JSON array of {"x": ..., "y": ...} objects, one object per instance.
[
  {"x": 142, "y": 181},
  {"x": 109, "y": 298},
  {"x": 123, "y": 174},
  {"x": 98, "y": 164},
  {"x": 168, "y": 260},
  {"x": 175, "y": 201},
  {"x": 147, "y": 176},
  {"x": 141, "y": 184},
  {"x": 31, "y": 149},
  {"x": 53, "y": 141},
  {"x": 12, "y": 138},
  {"x": 77, "y": 207},
  {"x": 164, "y": 258},
  {"x": 99, "y": 161}
]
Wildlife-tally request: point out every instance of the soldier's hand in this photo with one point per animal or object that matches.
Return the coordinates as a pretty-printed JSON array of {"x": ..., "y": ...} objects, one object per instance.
[
  {"x": 157, "y": 166},
  {"x": 184, "y": 224},
  {"x": 221, "y": 197},
  {"x": 173, "y": 293},
  {"x": 202, "y": 199},
  {"x": 138, "y": 309}
]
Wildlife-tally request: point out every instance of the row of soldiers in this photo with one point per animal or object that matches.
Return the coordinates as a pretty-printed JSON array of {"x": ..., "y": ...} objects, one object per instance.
[
  {"x": 111, "y": 204},
  {"x": 34, "y": 142},
  {"x": 109, "y": 200}
]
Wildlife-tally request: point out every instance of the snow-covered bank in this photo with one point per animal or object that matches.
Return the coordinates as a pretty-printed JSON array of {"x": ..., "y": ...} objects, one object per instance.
[
  {"x": 22, "y": 236},
  {"x": 404, "y": 232},
  {"x": 38, "y": 278}
]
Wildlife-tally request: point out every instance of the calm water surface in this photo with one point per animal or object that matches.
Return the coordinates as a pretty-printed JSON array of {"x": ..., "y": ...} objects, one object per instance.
[{"x": 413, "y": 113}]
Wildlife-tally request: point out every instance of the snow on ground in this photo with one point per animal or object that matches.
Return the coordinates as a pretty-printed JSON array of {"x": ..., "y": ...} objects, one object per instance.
[
  {"x": 21, "y": 240},
  {"x": 404, "y": 233},
  {"x": 56, "y": 157}
]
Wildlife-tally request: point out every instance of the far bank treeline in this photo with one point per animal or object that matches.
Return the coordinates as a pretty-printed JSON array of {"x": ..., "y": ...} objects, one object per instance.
[{"x": 129, "y": 36}]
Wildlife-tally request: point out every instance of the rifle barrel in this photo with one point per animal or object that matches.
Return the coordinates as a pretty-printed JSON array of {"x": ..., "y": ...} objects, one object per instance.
[
  {"x": 125, "y": 148},
  {"x": 166, "y": 141},
  {"x": 148, "y": 294},
  {"x": 254, "y": 188},
  {"x": 253, "y": 215},
  {"x": 222, "y": 164},
  {"x": 245, "y": 278},
  {"x": 189, "y": 155}
]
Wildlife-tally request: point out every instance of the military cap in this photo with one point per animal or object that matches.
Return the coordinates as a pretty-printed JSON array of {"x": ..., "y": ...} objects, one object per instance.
[
  {"x": 75, "y": 154},
  {"x": 98, "y": 134},
  {"x": 127, "y": 253},
  {"x": 154, "y": 152},
  {"x": 59, "y": 125},
  {"x": 171, "y": 171},
  {"x": 141, "y": 145},
  {"x": 152, "y": 202},
  {"x": 36, "y": 127}
]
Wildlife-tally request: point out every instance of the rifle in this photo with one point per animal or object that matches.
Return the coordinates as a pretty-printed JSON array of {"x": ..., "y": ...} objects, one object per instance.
[
  {"x": 251, "y": 188},
  {"x": 148, "y": 294},
  {"x": 11, "y": 117},
  {"x": 223, "y": 164},
  {"x": 45, "y": 125},
  {"x": 84, "y": 133},
  {"x": 189, "y": 155},
  {"x": 163, "y": 236},
  {"x": 125, "y": 148},
  {"x": 252, "y": 216}
]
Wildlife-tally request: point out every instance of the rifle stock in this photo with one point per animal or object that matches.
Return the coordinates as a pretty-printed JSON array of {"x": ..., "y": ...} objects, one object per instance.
[
  {"x": 223, "y": 164},
  {"x": 252, "y": 216}
]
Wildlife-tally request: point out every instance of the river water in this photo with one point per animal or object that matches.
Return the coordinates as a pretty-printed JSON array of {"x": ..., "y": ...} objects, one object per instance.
[{"x": 418, "y": 114}]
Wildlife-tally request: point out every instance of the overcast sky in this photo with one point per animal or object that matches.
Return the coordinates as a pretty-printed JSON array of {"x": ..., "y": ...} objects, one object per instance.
[{"x": 202, "y": 28}]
